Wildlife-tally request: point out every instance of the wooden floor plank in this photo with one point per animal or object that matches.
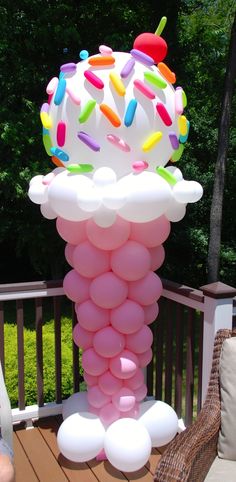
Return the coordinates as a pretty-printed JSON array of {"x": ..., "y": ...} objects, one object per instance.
[
  {"x": 23, "y": 468},
  {"x": 75, "y": 472},
  {"x": 105, "y": 472},
  {"x": 154, "y": 458},
  {"x": 141, "y": 475},
  {"x": 41, "y": 458}
]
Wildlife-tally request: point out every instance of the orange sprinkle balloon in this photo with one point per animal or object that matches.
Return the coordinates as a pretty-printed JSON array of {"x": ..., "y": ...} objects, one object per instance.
[
  {"x": 103, "y": 60},
  {"x": 57, "y": 161},
  {"x": 167, "y": 73},
  {"x": 110, "y": 115}
]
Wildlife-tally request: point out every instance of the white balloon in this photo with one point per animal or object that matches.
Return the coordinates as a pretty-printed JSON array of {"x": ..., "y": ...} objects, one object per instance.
[
  {"x": 148, "y": 197},
  {"x": 127, "y": 445},
  {"x": 187, "y": 191},
  {"x": 176, "y": 172},
  {"x": 104, "y": 176},
  {"x": 160, "y": 420},
  {"x": 104, "y": 217},
  {"x": 75, "y": 403},
  {"x": 37, "y": 179},
  {"x": 81, "y": 436},
  {"x": 47, "y": 211},
  {"x": 114, "y": 197},
  {"x": 89, "y": 199},
  {"x": 63, "y": 195},
  {"x": 38, "y": 192},
  {"x": 176, "y": 211}
]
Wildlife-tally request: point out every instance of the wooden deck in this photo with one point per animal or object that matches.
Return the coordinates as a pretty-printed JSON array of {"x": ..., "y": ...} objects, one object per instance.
[{"x": 37, "y": 458}]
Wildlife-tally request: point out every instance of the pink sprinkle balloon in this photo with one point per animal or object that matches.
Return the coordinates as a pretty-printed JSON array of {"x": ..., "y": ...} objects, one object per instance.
[
  {"x": 76, "y": 287},
  {"x": 151, "y": 313},
  {"x": 131, "y": 261},
  {"x": 94, "y": 364},
  {"x": 124, "y": 365},
  {"x": 128, "y": 317},
  {"x": 152, "y": 233},
  {"x": 97, "y": 398},
  {"x": 109, "y": 414},
  {"x": 108, "y": 342},
  {"x": 145, "y": 358},
  {"x": 108, "y": 291},
  {"x": 140, "y": 341},
  {"x": 90, "y": 379},
  {"x": 157, "y": 257},
  {"x": 146, "y": 290},
  {"x": 108, "y": 238},
  {"x": 108, "y": 383},
  {"x": 91, "y": 316},
  {"x": 69, "y": 250},
  {"x": 136, "y": 381},
  {"x": 124, "y": 399},
  {"x": 82, "y": 338},
  {"x": 90, "y": 261},
  {"x": 140, "y": 393},
  {"x": 73, "y": 232}
]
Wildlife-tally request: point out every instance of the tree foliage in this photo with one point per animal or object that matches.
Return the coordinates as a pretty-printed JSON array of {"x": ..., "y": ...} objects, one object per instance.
[{"x": 36, "y": 38}]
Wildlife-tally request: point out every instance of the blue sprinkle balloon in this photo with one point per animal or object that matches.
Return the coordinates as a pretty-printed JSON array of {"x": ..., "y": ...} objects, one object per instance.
[{"x": 83, "y": 54}]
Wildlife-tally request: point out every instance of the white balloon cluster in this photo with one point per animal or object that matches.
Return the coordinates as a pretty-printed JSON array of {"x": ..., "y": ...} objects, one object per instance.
[
  {"x": 135, "y": 197},
  {"x": 127, "y": 442}
]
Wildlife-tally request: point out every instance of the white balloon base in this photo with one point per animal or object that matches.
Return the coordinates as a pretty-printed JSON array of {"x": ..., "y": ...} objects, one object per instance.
[{"x": 126, "y": 443}]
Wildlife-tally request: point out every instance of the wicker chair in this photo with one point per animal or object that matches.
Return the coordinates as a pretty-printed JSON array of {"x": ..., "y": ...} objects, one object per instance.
[{"x": 190, "y": 455}]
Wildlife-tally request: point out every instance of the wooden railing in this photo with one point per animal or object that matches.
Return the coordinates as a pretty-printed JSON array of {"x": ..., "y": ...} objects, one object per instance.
[{"x": 183, "y": 341}]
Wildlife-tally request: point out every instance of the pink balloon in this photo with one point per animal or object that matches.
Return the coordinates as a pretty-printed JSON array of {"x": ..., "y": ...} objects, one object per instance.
[
  {"x": 131, "y": 261},
  {"x": 109, "y": 414},
  {"x": 140, "y": 393},
  {"x": 124, "y": 399},
  {"x": 133, "y": 413},
  {"x": 108, "y": 291},
  {"x": 145, "y": 358},
  {"x": 136, "y": 381},
  {"x": 140, "y": 341},
  {"x": 108, "y": 342},
  {"x": 124, "y": 365},
  {"x": 76, "y": 287},
  {"x": 108, "y": 238},
  {"x": 82, "y": 338},
  {"x": 90, "y": 379},
  {"x": 90, "y": 261},
  {"x": 146, "y": 290},
  {"x": 97, "y": 398},
  {"x": 69, "y": 250},
  {"x": 73, "y": 232},
  {"x": 128, "y": 317},
  {"x": 94, "y": 364},
  {"x": 109, "y": 384},
  {"x": 92, "y": 317},
  {"x": 151, "y": 234},
  {"x": 157, "y": 257},
  {"x": 151, "y": 313}
]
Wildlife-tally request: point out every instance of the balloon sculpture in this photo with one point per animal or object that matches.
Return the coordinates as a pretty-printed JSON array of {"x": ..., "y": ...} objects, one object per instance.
[{"x": 111, "y": 124}]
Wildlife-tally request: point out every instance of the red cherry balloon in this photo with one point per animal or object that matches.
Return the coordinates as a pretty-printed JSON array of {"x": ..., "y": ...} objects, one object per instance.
[{"x": 152, "y": 45}]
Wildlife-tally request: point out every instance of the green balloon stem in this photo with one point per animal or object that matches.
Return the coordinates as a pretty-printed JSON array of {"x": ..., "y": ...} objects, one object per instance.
[{"x": 161, "y": 26}]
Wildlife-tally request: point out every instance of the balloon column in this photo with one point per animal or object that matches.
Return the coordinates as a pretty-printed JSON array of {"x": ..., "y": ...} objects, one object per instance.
[{"x": 111, "y": 124}]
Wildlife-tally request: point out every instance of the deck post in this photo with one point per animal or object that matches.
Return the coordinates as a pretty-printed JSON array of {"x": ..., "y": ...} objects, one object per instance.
[{"x": 218, "y": 314}]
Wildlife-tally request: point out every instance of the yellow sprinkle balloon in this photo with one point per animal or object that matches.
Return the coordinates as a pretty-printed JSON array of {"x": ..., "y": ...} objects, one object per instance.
[
  {"x": 152, "y": 140},
  {"x": 46, "y": 120},
  {"x": 117, "y": 83},
  {"x": 183, "y": 126}
]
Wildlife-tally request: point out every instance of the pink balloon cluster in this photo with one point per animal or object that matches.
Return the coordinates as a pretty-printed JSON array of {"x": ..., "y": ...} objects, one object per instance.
[{"x": 115, "y": 291}]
